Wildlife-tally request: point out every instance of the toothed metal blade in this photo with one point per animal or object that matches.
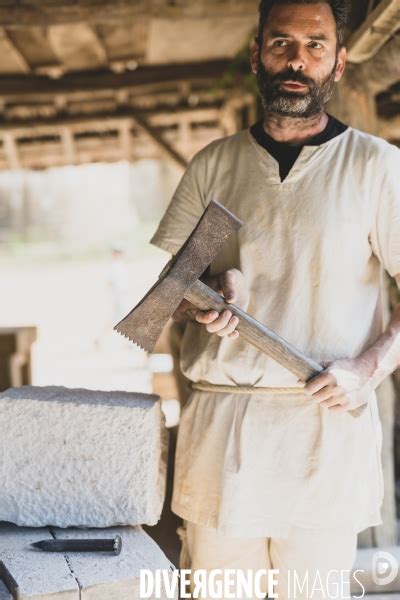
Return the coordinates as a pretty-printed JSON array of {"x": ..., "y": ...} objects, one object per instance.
[{"x": 144, "y": 324}]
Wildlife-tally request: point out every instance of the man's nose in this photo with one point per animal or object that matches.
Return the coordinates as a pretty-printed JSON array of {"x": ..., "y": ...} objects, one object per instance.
[{"x": 296, "y": 60}]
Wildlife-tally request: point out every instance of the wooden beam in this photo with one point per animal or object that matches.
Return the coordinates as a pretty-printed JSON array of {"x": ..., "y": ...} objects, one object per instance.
[
  {"x": 100, "y": 48},
  {"x": 68, "y": 142},
  {"x": 106, "y": 121},
  {"x": 100, "y": 123},
  {"x": 379, "y": 26},
  {"x": 12, "y": 86},
  {"x": 161, "y": 142},
  {"x": 125, "y": 137},
  {"x": 43, "y": 13},
  {"x": 44, "y": 154},
  {"x": 18, "y": 58},
  {"x": 33, "y": 44}
]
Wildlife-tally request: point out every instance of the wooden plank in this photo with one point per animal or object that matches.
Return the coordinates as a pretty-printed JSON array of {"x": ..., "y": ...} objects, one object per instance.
[
  {"x": 33, "y": 42},
  {"x": 47, "y": 12},
  {"x": 40, "y": 575},
  {"x": 77, "y": 47},
  {"x": 87, "y": 82},
  {"x": 126, "y": 41},
  {"x": 45, "y": 154},
  {"x": 106, "y": 121},
  {"x": 13, "y": 61},
  {"x": 376, "y": 30}
]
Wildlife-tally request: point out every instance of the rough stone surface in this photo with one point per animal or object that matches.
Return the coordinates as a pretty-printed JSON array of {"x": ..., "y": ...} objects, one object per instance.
[
  {"x": 4, "y": 594},
  {"x": 73, "y": 457},
  {"x": 103, "y": 577},
  {"x": 76, "y": 575},
  {"x": 40, "y": 575}
]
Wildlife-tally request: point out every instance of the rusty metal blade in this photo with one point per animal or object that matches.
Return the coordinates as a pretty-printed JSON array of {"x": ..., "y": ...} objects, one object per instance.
[{"x": 144, "y": 324}]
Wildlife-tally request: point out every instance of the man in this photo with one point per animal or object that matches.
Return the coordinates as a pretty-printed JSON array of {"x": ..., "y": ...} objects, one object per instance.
[{"x": 287, "y": 479}]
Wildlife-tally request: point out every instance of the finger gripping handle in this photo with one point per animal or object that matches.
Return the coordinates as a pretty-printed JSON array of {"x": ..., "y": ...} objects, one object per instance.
[{"x": 259, "y": 335}]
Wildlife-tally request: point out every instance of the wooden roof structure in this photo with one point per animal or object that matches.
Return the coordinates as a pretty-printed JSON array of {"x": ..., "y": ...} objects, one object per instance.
[{"x": 104, "y": 80}]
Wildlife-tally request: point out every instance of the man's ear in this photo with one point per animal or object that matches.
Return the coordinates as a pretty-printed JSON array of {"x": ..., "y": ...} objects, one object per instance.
[
  {"x": 341, "y": 63},
  {"x": 254, "y": 50}
]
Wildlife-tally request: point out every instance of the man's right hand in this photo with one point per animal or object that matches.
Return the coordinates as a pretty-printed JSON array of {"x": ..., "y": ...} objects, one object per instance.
[{"x": 232, "y": 286}]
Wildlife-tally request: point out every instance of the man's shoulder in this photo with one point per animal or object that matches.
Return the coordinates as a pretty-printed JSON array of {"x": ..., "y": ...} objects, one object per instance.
[
  {"x": 225, "y": 145},
  {"x": 371, "y": 147}
]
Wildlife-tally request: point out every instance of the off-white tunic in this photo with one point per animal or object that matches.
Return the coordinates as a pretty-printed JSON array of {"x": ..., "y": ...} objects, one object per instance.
[{"x": 312, "y": 251}]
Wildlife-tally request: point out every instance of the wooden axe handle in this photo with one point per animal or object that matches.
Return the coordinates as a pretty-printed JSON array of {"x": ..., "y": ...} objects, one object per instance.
[{"x": 204, "y": 298}]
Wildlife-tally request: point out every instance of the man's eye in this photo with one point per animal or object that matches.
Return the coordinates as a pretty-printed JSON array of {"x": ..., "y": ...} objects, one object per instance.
[
  {"x": 280, "y": 43},
  {"x": 315, "y": 45}
]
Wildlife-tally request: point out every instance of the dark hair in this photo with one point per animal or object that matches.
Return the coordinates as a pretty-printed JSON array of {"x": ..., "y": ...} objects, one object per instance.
[{"x": 340, "y": 9}]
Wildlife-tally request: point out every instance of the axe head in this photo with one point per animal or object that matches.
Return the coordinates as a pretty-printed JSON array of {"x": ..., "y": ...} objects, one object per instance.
[{"x": 144, "y": 324}]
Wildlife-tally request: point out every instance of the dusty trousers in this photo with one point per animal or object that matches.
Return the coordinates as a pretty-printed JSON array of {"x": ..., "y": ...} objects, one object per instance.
[{"x": 312, "y": 564}]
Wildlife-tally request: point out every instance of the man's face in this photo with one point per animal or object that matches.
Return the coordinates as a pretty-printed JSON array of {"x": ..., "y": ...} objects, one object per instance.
[{"x": 299, "y": 61}]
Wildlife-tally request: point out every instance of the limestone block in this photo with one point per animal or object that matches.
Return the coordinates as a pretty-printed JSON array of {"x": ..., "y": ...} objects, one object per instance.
[
  {"x": 103, "y": 577},
  {"x": 40, "y": 575},
  {"x": 4, "y": 594},
  {"x": 369, "y": 559},
  {"x": 74, "y": 457},
  {"x": 78, "y": 575}
]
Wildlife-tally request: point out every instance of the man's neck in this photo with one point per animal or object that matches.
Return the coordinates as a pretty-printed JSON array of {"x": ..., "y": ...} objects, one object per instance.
[{"x": 294, "y": 131}]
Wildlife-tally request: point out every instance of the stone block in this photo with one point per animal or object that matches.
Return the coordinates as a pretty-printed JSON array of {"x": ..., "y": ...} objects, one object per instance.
[
  {"x": 103, "y": 577},
  {"x": 39, "y": 575},
  {"x": 78, "y": 575},
  {"x": 83, "y": 458}
]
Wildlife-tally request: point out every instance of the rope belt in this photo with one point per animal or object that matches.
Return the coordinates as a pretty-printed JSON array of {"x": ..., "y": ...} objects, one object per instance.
[{"x": 244, "y": 389}]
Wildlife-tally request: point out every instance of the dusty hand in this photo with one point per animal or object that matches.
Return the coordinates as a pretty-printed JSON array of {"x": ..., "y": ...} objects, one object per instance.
[
  {"x": 232, "y": 286},
  {"x": 343, "y": 385}
]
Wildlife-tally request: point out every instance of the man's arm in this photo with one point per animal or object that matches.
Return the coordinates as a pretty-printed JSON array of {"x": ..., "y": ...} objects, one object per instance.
[{"x": 344, "y": 383}]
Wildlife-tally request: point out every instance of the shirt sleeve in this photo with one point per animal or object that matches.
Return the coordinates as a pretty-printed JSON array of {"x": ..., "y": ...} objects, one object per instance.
[
  {"x": 185, "y": 209},
  {"x": 385, "y": 235}
]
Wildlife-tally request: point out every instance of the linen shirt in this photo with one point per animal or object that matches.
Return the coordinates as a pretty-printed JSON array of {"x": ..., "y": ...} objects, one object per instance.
[{"x": 312, "y": 251}]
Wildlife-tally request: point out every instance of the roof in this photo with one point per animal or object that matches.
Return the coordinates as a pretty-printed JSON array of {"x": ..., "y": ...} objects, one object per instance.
[{"x": 104, "y": 80}]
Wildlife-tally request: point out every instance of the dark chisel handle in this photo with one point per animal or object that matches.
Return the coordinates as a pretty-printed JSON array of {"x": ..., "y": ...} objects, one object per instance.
[{"x": 254, "y": 332}]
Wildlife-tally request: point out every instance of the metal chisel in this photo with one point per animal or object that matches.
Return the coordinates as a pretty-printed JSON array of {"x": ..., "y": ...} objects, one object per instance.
[{"x": 112, "y": 545}]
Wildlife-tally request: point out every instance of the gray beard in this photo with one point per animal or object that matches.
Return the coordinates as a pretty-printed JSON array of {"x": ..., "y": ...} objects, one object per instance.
[{"x": 292, "y": 104}]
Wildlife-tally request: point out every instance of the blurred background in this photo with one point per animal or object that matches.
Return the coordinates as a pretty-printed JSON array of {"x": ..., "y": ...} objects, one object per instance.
[{"x": 102, "y": 106}]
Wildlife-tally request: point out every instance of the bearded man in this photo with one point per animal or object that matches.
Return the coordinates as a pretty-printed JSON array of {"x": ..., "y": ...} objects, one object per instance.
[{"x": 286, "y": 478}]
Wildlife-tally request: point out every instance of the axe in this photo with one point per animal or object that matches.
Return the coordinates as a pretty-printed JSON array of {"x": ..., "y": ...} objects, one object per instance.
[{"x": 180, "y": 279}]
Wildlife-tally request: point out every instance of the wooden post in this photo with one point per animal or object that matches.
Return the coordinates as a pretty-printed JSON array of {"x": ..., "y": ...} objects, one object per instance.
[{"x": 15, "y": 356}]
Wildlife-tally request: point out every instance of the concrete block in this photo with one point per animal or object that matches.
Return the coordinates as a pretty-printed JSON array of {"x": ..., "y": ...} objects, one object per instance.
[
  {"x": 74, "y": 457},
  {"x": 40, "y": 575},
  {"x": 381, "y": 562}
]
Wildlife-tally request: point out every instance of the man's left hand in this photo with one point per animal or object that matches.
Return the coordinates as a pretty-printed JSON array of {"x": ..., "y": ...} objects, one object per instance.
[{"x": 344, "y": 384}]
